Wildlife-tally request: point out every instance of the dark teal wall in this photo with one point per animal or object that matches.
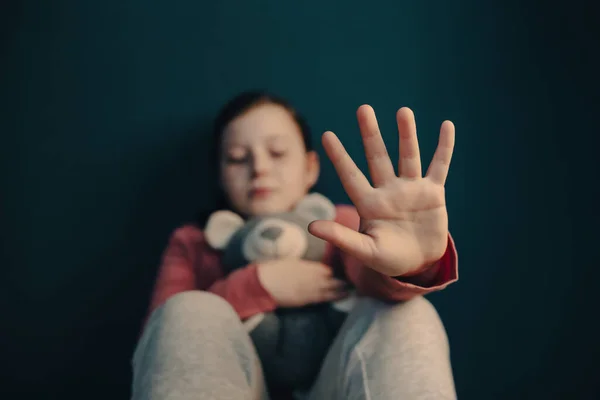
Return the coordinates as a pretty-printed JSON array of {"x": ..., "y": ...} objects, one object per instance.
[{"x": 105, "y": 111}]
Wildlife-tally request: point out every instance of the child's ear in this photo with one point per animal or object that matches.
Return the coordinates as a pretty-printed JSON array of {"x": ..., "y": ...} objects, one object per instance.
[
  {"x": 316, "y": 206},
  {"x": 220, "y": 228},
  {"x": 313, "y": 169}
]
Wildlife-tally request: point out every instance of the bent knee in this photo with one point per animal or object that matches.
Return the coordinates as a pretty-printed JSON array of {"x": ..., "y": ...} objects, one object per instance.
[
  {"x": 415, "y": 320},
  {"x": 187, "y": 318},
  {"x": 198, "y": 305},
  {"x": 406, "y": 348},
  {"x": 416, "y": 310},
  {"x": 410, "y": 323}
]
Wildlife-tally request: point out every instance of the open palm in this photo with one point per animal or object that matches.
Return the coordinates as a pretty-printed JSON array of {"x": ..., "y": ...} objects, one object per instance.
[{"x": 403, "y": 216}]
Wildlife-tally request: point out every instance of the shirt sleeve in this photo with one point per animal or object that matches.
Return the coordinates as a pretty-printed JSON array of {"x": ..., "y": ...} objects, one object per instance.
[
  {"x": 243, "y": 290},
  {"x": 369, "y": 282},
  {"x": 188, "y": 263},
  {"x": 176, "y": 273}
]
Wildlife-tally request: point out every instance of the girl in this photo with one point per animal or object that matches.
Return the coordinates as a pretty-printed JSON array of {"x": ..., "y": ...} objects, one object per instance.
[{"x": 394, "y": 245}]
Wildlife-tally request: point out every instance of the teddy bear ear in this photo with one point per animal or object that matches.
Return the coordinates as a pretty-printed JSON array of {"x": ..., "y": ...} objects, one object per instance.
[
  {"x": 220, "y": 228},
  {"x": 316, "y": 206}
]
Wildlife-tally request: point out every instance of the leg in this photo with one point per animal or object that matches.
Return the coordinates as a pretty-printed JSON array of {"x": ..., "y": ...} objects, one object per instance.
[
  {"x": 292, "y": 345},
  {"x": 195, "y": 347},
  {"x": 386, "y": 352}
]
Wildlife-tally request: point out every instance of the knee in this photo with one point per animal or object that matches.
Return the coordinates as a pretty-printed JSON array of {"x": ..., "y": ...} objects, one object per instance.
[
  {"x": 404, "y": 348},
  {"x": 417, "y": 310},
  {"x": 411, "y": 323},
  {"x": 198, "y": 306},
  {"x": 185, "y": 323}
]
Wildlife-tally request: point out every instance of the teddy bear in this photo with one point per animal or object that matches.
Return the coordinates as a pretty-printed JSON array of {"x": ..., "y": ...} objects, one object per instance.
[{"x": 291, "y": 342}]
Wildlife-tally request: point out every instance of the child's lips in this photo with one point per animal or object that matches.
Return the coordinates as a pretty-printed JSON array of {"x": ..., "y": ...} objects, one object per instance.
[{"x": 260, "y": 192}]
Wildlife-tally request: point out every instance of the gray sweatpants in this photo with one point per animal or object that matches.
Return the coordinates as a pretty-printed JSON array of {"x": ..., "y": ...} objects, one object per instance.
[{"x": 195, "y": 347}]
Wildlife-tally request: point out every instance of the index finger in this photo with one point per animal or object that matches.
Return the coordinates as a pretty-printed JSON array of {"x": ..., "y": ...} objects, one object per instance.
[
  {"x": 353, "y": 180},
  {"x": 440, "y": 164}
]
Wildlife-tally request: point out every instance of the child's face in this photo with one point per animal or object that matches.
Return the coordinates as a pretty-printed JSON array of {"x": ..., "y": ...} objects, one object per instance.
[{"x": 265, "y": 167}]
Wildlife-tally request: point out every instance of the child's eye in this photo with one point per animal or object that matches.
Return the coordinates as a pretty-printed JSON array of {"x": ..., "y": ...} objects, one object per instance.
[
  {"x": 277, "y": 153},
  {"x": 236, "y": 157},
  {"x": 236, "y": 160}
]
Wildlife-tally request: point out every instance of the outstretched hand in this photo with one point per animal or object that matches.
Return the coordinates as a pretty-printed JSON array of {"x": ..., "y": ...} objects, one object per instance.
[{"x": 403, "y": 216}]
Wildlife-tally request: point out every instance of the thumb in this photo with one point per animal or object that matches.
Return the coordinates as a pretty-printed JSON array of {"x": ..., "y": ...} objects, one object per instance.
[{"x": 355, "y": 244}]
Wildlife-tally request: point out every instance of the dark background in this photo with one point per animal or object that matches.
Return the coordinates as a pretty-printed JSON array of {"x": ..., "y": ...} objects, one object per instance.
[{"x": 105, "y": 108}]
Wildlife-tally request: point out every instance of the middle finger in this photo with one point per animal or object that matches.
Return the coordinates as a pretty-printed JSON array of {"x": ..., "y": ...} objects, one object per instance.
[{"x": 378, "y": 160}]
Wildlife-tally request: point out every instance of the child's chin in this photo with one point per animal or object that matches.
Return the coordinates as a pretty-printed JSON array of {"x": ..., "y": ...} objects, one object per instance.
[{"x": 266, "y": 206}]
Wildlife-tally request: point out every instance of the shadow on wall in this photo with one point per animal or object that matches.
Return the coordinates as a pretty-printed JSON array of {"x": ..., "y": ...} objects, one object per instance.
[
  {"x": 157, "y": 188},
  {"x": 10, "y": 14},
  {"x": 179, "y": 181}
]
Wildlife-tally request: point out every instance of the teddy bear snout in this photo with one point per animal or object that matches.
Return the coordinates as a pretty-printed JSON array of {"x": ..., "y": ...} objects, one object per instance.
[
  {"x": 275, "y": 238},
  {"x": 271, "y": 233}
]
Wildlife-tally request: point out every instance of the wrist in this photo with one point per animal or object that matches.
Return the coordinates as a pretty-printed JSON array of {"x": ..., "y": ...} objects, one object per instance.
[
  {"x": 421, "y": 275},
  {"x": 262, "y": 273}
]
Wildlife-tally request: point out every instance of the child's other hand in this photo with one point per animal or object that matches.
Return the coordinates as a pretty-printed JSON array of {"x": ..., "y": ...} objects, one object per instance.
[
  {"x": 296, "y": 283},
  {"x": 403, "y": 217}
]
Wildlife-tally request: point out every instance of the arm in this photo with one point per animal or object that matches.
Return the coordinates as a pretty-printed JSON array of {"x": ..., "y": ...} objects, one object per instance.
[
  {"x": 372, "y": 283},
  {"x": 176, "y": 273},
  {"x": 189, "y": 264},
  {"x": 243, "y": 290}
]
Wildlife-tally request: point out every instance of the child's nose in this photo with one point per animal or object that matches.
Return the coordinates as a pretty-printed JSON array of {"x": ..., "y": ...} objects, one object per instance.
[{"x": 260, "y": 165}]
